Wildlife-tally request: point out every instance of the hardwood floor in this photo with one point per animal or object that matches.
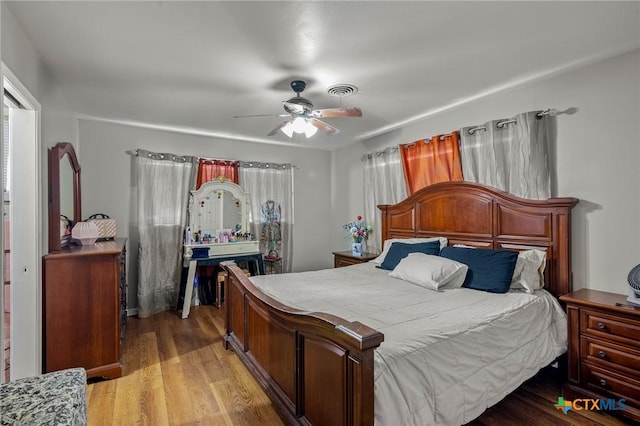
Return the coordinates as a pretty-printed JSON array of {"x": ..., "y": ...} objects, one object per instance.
[{"x": 177, "y": 372}]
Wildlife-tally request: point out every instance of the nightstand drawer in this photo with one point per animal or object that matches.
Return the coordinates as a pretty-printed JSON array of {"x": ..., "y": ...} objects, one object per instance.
[
  {"x": 603, "y": 350},
  {"x": 612, "y": 385},
  {"x": 608, "y": 327},
  {"x": 346, "y": 258},
  {"x": 340, "y": 262},
  {"x": 610, "y": 355}
]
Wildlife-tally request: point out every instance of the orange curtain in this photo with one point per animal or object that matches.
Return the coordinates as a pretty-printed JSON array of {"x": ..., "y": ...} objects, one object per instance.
[
  {"x": 426, "y": 162},
  {"x": 212, "y": 169}
]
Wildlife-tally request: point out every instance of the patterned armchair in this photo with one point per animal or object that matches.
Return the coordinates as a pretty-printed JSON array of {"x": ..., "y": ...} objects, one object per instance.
[{"x": 58, "y": 398}]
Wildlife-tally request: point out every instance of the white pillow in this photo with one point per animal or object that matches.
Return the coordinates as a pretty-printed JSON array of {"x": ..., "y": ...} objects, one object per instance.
[
  {"x": 431, "y": 272},
  {"x": 529, "y": 271},
  {"x": 387, "y": 245}
]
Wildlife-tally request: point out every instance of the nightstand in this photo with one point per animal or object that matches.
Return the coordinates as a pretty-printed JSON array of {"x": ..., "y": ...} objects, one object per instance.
[
  {"x": 346, "y": 258},
  {"x": 604, "y": 349}
]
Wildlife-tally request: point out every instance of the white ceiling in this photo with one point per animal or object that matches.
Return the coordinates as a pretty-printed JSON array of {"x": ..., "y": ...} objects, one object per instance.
[{"x": 194, "y": 65}]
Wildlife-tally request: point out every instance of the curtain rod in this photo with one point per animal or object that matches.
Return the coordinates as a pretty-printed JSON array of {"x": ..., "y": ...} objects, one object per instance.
[
  {"x": 549, "y": 111},
  {"x": 440, "y": 137},
  {"x": 262, "y": 165},
  {"x": 500, "y": 124},
  {"x": 185, "y": 158},
  {"x": 385, "y": 151},
  {"x": 226, "y": 160},
  {"x": 242, "y": 163},
  {"x": 162, "y": 156}
]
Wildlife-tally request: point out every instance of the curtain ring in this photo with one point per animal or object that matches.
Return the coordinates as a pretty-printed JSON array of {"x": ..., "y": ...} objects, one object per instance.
[
  {"x": 475, "y": 129},
  {"x": 501, "y": 124}
]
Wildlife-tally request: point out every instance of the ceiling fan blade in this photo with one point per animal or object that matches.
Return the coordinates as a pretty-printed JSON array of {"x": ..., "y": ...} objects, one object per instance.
[
  {"x": 330, "y": 130},
  {"x": 261, "y": 115},
  {"x": 277, "y": 129},
  {"x": 294, "y": 108},
  {"x": 336, "y": 112}
]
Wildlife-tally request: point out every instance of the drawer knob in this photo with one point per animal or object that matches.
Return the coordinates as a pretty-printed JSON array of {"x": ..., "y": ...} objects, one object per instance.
[
  {"x": 603, "y": 382},
  {"x": 601, "y": 354},
  {"x": 601, "y": 326}
]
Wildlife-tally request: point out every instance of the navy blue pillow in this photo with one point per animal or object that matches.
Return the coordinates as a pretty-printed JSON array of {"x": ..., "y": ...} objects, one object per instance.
[
  {"x": 489, "y": 270},
  {"x": 399, "y": 251}
]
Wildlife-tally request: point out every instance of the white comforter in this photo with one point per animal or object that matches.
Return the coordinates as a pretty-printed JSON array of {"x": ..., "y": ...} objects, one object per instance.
[{"x": 446, "y": 356}]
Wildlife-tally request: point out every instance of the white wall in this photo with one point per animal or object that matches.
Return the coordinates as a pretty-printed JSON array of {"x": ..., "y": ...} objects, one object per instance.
[
  {"x": 597, "y": 155},
  {"x": 108, "y": 187},
  {"x": 57, "y": 123}
]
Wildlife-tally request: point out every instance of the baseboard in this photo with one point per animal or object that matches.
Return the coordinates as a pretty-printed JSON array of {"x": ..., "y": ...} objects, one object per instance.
[{"x": 131, "y": 312}]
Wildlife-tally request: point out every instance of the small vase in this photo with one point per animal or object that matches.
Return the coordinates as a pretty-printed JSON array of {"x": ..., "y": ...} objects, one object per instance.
[{"x": 356, "y": 249}]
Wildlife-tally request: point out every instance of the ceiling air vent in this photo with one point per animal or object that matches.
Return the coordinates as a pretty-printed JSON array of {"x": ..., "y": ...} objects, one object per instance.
[{"x": 342, "y": 90}]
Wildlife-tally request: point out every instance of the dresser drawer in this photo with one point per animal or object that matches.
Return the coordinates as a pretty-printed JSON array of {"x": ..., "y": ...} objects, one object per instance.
[
  {"x": 611, "y": 355},
  {"x": 610, "y": 328},
  {"x": 611, "y": 385}
]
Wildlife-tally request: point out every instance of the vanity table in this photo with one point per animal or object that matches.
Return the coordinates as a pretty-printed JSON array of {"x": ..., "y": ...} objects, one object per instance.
[
  {"x": 254, "y": 260},
  {"x": 218, "y": 209}
]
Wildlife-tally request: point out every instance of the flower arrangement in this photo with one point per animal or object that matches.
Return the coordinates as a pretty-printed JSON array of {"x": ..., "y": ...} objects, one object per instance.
[{"x": 358, "y": 230}]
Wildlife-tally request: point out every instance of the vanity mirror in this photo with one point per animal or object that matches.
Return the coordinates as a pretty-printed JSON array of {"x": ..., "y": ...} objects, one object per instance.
[
  {"x": 64, "y": 192},
  {"x": 219, "y": 220}
]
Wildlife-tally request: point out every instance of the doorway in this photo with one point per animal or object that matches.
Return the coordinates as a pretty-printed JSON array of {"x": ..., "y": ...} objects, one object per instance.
[{"x": 21, "y": 242}]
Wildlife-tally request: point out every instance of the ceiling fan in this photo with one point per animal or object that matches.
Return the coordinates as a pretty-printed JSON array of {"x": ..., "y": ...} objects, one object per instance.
[{"x": 303, "y": 118}]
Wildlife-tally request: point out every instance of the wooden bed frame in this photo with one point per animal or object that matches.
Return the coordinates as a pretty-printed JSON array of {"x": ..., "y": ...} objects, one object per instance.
[{"x": 318, "y": 368}]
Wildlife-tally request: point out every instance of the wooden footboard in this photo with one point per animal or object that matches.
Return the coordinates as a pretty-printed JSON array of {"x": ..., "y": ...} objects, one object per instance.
[{"x": 316, "y": 368}]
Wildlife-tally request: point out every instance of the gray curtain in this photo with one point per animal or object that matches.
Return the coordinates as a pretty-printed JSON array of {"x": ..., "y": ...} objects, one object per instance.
[
  {"x": 383, "y": 184},
  {"x": 164, "y": 181},
  {"x": 270, "y": 189},
  {"x": 511, "y": 154}
]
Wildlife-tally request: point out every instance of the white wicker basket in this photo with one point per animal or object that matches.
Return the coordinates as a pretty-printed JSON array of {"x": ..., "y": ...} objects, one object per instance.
[{"x": 84, "y": 233}]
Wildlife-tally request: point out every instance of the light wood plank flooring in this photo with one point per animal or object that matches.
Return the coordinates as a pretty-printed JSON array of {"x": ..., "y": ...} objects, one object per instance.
[{"x": 177, "y": 372}]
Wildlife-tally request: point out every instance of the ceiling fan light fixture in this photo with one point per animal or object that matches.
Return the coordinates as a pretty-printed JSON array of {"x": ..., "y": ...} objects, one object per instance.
[
  {"x": 287, "y": 129},
  {"x": 299, "y": 125},
  {"x": 310, "y": 130}
]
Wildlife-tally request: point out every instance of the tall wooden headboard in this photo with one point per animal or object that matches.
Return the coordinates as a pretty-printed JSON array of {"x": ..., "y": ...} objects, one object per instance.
[{"x": 484, "y": 217}]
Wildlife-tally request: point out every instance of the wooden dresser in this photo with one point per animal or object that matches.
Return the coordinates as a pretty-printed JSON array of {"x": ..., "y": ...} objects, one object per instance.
[
  {"x": 604, "y": 349},
  {"x": 84, "y": 308},
  {"x": 346, "y": 258}
]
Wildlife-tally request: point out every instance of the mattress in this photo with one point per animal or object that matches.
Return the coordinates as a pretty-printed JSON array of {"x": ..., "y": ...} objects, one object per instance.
[{"x": 446, "y": 356}]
